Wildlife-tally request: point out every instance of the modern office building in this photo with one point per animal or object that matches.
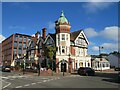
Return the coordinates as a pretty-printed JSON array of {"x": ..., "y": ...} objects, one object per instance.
[{"x": 14, "y": 47}]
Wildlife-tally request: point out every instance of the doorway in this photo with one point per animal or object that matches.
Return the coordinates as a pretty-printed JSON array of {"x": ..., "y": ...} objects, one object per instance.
[{"x": 63, "y": 67}]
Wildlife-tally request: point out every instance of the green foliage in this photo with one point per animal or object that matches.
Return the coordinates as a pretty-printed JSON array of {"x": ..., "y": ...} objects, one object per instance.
[{"x": 51, "y": 51}]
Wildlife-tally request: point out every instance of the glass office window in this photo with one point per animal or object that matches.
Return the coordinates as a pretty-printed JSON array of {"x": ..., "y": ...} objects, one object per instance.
[
  {"x": 15, "y": 44},
  {"x": 25, "y": 39},
  {"x": 20, "y": 45},
  {"x": 16, "y": 38},
  {"x": 24, "y": 45},
  {"x": 20, "y": 39}
]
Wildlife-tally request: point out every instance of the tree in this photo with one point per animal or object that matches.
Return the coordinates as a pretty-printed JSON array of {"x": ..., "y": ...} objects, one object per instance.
[{"x": 51, "y": 50}]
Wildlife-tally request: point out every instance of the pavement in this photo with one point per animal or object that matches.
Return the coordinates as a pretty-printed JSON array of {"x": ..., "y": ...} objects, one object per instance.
[{"x": 18, "y": 80}]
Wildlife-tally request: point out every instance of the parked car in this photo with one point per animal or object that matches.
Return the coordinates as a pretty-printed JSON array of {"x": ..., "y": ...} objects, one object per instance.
[
  {"x": 117, "y": 69},
  {"x": 86, "y": 71},
  {"x": 6, "y": 68}
]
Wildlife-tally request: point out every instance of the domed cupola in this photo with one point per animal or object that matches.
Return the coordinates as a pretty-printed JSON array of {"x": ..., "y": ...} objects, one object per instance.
[
  {"x": 62, "y": 20},
  {"x": 62, "y": 25}
]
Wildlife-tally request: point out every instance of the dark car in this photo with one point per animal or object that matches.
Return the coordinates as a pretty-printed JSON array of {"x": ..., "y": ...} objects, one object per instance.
[
  {"x": 6, "y": 68},
  {"x": 86, "y": 71},
  {"x": 117, "y": 69}
]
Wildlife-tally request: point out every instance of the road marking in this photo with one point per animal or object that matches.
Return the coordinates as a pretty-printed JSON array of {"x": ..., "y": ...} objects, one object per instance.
[
  {"x": 12, "y": 79},
  {"x": 4, "y": 77},
  {"x": 44, "y": 80},
  {"x": 33, "y": 83},
  {"x": 18, "y": 87},
  {"x": 27, "y": 85},
  {"x": 7, "y": 85},
  {"x": 39, "y": 82}
]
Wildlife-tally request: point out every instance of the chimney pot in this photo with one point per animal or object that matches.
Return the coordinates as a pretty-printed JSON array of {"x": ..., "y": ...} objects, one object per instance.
[{"x": 44, "y": 33}]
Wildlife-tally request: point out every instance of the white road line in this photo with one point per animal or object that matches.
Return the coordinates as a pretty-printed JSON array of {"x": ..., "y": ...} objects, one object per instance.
[
  {"x": 39, "y": 82},
  {"x": 27, "y": 85},
  {"x": 33, "y": 83},
  {"x": 4, "y": 77},
  {"x": 44, "y": 81},
  {"x": 7, "y": 85},
  {"x": 18, "y": 87}
]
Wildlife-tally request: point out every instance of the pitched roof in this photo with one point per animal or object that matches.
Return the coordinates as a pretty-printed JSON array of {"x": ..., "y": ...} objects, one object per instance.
[
  {"x": 73, "y": 35},
  {"x": 53, "y": 36},
  {"x": 34, "y": 39}
]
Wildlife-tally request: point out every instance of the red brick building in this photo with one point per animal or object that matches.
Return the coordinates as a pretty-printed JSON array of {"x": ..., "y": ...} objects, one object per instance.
[{"x": 14, "y": 47}]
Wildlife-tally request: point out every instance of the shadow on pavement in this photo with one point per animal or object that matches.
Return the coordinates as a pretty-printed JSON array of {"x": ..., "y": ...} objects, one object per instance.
[{"x": 108, "y": 77}]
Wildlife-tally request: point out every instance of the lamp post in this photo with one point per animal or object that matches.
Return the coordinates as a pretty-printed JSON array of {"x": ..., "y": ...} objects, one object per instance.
[
  {"x": 69, "y": 63},
  {"x": 24, "y": 64},
  {"x": 100, "y": 57}
]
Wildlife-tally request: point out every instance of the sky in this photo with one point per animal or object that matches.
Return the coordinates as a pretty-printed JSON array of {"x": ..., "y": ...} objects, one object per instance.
[{"x": 99, "y": 20}]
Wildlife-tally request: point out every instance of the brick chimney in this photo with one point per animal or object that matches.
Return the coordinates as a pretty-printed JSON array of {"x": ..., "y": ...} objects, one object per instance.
[
  {"x": 44, "y": 33},
  {"x": 37, "y": 34}
]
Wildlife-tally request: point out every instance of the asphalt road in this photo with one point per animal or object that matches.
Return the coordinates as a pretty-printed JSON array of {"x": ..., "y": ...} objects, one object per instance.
[{"x": 101, "y": 80}]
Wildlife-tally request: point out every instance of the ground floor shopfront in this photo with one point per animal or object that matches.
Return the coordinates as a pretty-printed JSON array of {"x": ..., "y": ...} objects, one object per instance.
[{"x": 71, "y": 64}]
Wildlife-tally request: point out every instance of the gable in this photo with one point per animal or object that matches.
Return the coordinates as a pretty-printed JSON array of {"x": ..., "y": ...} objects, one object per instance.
[
  {"x": 49, "y": 40},
  {"x": 73, "y": 35},
  {"x": 81, "y": 40}
]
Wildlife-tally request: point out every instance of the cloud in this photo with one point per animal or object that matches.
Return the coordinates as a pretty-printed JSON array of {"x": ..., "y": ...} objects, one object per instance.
[
  {"x": 33, "y": 35},
  {"x": 1, "y": 38},
  {"x": 90, "y": 32},
  {"x": 91, "y": 43},
  {"x": 110, "y": 33},
  {"x": 110, "y": 46},
  {"x": 51, "y": 25},
  {"x": 95, "y": 6},
  {"x": 95, "y": 48},
  {"x": 107, "y": 48},
  {"x": 17, "y": 27},
  {"x": 22, "y": 5}
]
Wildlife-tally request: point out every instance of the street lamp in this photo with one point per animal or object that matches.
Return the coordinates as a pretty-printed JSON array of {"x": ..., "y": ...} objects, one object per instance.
[
  {"x": 69, "y": 63},
  {"x": 24, "y": 64},
  {"x": 100, "y": 47}
]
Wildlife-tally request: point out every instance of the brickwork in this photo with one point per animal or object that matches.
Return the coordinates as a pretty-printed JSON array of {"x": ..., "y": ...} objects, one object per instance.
[{"x": 14, "y": 46}]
